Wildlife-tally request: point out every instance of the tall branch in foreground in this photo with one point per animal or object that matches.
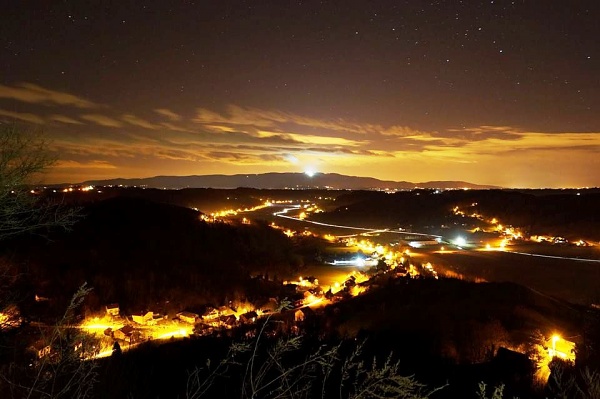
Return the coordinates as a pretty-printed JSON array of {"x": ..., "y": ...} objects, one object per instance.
[
  {"x": 62, "y": 368},
  {"x": 287, "y": 369},
  {"x": 23, "y": 156}
]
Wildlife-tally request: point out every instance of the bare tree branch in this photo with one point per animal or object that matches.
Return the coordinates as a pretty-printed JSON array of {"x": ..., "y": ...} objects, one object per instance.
[{"x": 24, "y": 156}]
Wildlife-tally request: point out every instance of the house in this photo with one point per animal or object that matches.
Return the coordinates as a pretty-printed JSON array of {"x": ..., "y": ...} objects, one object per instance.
[
  {"x": 40, "y": 298},
  {"x": 225, "y": 311},
  {"x": 249, "y": 317},
  {"x": 512, "y": 367},
  {"x": 124, "y": 333},
  {"x": 203, "y": 329},
  {"x": 302, "y": 313},
  {"x": 210, "y": 313},
  {"x": 112, "y": 310},
  {"x": 228, "y": 321},
  {"x": 143, "y": 318},
  {"x": 187, "y": 317},
  {"x": 10, "y": 318},
  {"x": 40, "y": 348},
  {"x": 270, "y": 306},
  {"x": 299, "y": 315}
]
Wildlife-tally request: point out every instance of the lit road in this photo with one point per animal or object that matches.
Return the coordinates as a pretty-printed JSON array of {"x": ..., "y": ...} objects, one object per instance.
[
  {"x": 556, "y": 257},
  {"x": 283, "y": 214}
]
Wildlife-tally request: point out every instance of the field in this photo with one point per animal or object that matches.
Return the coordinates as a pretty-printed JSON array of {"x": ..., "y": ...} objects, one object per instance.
[{"x": 572, "y": 280}]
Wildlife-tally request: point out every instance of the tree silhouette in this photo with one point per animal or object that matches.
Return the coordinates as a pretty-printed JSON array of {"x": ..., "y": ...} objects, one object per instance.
[
  {"x": 116, "y": 350},
  {"x": 24, "y": 155}
]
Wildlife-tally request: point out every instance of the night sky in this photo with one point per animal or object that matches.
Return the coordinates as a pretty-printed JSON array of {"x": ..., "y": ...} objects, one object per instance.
[{"x": 494, "y": 92}]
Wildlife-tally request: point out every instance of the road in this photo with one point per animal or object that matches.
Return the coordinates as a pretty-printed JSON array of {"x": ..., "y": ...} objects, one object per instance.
[{"x": 283, "y": 214}]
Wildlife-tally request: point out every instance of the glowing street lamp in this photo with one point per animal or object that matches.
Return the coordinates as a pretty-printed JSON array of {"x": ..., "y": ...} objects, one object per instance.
[
  {"x": 460, "y": 241},
  {"x": 555, "y": 338}
]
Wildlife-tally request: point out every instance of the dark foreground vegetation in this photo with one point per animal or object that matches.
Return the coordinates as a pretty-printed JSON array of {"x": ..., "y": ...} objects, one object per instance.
[{"x": 446, "y": 333}]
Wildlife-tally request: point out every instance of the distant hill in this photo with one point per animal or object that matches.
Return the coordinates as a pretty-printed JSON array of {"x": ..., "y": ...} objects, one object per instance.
[{"x": 282, "y": 181}]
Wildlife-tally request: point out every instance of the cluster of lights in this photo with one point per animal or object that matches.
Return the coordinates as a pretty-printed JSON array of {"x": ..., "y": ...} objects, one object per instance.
[
  {"x": 234, "y": 212},
  {"x": 10, "y": 320},
  {"x": 553, "y": 347},
  {"x": 71, "y": 189},
  {"x": 161, "y": 330},
  {"x": 313, "y": 291}
]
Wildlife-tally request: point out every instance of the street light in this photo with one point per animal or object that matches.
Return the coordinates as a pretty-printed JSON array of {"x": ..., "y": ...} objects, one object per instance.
[
  {"x": 460, "y": 241},
  {"x": 555, "y": 338}
]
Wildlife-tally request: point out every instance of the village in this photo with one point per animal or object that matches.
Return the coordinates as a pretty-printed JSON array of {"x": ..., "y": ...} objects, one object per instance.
[{"x": 306, "y": 295}]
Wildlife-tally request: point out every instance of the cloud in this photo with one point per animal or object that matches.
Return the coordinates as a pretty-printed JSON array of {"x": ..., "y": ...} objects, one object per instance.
[
  {"x": 25, "y": 117},
  {"x": 34, "y": 94},
  {"x": 134, "y": 120},
  {"x": 312, "y": 139},
  {"x": 127, "y": 145},
  {"x": 172, "y": 116},
  {"x": 342, "y": 134},
  {"x": 65, "y": 119},
  {"x": 322, "y": 135},
  {"x": 175, "y": 128},
  {"x": 235, "y": 116},
  {"x": 259, "y": 118},
  {"x": 481, "y": 133},
  {"x": 273, "y": 139},
  {"x": 102, "y": 120},
  {"x": 245, "y": 158},
  {"x": 71, "y": 164},
  {"x": 538, "y": 141},
  {"x": 477, "y": 143}
]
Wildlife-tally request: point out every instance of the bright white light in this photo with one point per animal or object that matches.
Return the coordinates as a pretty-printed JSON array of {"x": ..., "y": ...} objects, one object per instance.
[
  {"x": 309, "y": 172},
  {"x": 360, "y": 262},
  {"x": 460, "y": 241}
]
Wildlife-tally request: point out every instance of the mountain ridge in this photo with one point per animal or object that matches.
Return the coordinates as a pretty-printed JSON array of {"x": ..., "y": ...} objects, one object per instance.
[{"x": 274, "y": 180}]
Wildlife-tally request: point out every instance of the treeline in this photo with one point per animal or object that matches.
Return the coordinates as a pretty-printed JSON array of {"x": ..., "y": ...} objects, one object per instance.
[
  {"x": 570, "y": 213},
  {"x": 205, "y": 199}
]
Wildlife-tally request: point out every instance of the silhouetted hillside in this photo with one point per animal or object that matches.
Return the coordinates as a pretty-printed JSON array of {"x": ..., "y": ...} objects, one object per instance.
[
  {"x": 204, "y": 199},
  {"x": 137, "y": 252},
  {"x": 279, "y": 181}
]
